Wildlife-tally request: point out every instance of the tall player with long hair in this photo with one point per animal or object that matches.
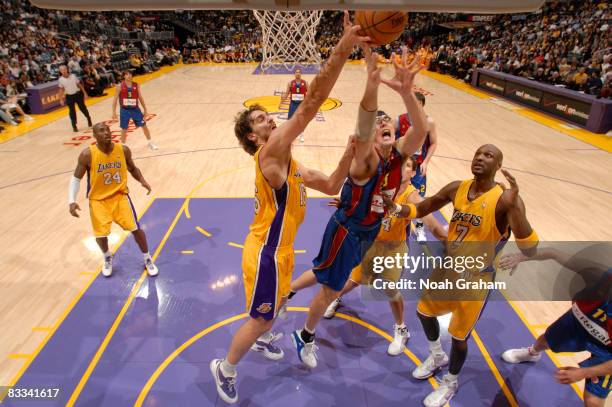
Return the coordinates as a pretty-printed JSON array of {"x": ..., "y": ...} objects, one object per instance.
[{"x": 280, "y": 204}]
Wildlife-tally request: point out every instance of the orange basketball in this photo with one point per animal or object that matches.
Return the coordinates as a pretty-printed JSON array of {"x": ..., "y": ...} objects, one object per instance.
[{"x": 381, "y": 26}]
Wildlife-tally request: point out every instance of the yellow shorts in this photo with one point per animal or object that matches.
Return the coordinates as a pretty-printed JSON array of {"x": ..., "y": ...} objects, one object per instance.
[
  {"x": 267, "y": 273},
  {"x": 117, "y": 208},
  {"x": 383, "y": 249},
  {"x": 465, "y": 309}
]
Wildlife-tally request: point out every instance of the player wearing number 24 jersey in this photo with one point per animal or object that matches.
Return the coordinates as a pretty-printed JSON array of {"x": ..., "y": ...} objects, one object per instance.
[{"x": 107, "y": 165}]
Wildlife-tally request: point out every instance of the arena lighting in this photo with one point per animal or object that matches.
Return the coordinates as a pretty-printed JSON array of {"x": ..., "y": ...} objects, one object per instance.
[{"x": 465, "y": 6}]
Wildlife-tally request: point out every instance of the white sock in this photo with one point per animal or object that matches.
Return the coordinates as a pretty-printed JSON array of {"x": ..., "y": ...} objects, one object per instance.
[
  {"x": 401, "y": 326},
  {"x": 435, "y": 347},
  {"x": 451, "y": 377},
  {"x": 227, "y": 368},
  {"x": 532, "y": 351},
  {"x": 146, "y": 256},
  {"x": 108, "y": 255}
]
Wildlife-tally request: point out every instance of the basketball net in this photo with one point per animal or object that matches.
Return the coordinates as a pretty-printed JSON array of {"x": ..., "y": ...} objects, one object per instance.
[{"x": 288, "y": 37}]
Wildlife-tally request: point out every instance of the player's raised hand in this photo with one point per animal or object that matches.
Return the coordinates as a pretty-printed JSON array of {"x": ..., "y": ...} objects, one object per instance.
[
  {"x": 351, "y": 31},
  {"x": 371, "y": 59},
  {"x": 74, "y": 207},
  {"x": 513, "y": 190},
  {"x": 403, "y": 80},
  {"x": 146, "y": 186}
]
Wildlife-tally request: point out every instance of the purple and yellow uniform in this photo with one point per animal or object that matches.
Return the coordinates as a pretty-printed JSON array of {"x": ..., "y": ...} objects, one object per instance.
[
  {"x": 267, "y": 260},
  {"x": 472, "y": 232},
  {"x": 108, "y": 192}
]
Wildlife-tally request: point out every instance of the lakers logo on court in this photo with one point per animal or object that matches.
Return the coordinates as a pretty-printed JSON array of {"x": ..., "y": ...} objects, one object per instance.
[{"x": 274, "y": 105}]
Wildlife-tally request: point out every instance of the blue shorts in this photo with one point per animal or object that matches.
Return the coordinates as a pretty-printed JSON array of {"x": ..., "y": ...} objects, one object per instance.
[
  {"x": 293, "y": 105},
  {"x": 341, "y": 251},
  {"x": 419, "y": 181},
  {"x": 567, "y": 335},
  {"x": 126, "y": 114}
]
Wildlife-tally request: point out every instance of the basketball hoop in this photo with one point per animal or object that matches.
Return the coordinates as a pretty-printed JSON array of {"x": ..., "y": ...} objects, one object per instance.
[{"x": 289, "y": 37}]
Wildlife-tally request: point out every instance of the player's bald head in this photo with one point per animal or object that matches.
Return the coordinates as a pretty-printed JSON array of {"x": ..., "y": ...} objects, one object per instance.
[
  {"x": 99, "y": 127},
  {"x": 497, "y": 153},
  {"x": 487, "y": 161}
]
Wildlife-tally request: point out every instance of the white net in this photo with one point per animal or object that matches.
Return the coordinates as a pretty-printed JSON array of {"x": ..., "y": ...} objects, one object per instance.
[{"x": 288, "y": 37}]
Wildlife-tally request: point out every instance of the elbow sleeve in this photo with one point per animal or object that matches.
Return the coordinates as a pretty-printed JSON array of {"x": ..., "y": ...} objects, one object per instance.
[{"x": 73, "y": 189}]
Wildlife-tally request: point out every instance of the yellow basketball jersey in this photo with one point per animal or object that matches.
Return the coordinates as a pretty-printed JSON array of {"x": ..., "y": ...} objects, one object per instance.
[
  {"x": 394, "y": 228},
  {"x": 107, "y": 173},
  {"x": 472, "y": 231},
  {"x": 278, "y": 213}
]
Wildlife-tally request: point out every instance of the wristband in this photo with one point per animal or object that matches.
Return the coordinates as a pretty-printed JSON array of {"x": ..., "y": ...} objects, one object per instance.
[{"x": 528, "y": 242}]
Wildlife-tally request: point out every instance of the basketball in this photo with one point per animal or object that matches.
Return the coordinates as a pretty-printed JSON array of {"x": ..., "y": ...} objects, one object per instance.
[{"x": 382, "y": 26}]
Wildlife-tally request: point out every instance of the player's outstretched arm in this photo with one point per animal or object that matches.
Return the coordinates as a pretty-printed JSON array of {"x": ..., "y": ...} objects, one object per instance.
[
  {"x": 280, "y": 143},
  {"x": 429, "y": 205},
  {"x": 83, "y": 164},
  {"x": 402, "y": 83},
  {"x": 512, "y": 204},
  {"x": 135, "y": 171},
  {"x": 331, "y": 184},
  {"x": 433, "y": 144},
  {"x": 365, "y": 155}
]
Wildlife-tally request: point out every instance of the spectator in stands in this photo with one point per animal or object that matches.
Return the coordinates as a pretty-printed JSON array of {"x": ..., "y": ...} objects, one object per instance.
[
  {"x": 580, "y": 79},
  {"x": 594, "y": 83},
  {"x": 9, "y": 105},
  {"x": 74, "y": 66},
  {"x": 92, "y": 82},
  {"x": 107, "y": 79},
  {"x": 136, "y": 64}
]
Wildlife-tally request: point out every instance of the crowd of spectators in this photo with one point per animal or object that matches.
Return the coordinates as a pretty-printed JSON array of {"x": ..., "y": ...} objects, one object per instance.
[
  {"x": 565, "y": 44},
  {"x": 35, "y": 42}
]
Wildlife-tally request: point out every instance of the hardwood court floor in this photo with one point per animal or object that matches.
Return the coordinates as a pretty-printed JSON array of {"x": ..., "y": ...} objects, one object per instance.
[{"x": 49, "y": 258}]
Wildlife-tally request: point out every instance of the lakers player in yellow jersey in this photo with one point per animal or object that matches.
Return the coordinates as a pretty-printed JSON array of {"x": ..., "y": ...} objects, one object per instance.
[
  {"x": 280, "y": 203},
  {"x": 392, "y": 240},
  {"x": 484, "y": 214},
  {"x": 106, "y": 165}
]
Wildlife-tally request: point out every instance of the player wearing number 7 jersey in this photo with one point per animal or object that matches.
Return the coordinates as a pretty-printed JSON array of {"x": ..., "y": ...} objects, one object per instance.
[
  {"x": 483, "y": 216},
  {"x": 107, "y": 165}
]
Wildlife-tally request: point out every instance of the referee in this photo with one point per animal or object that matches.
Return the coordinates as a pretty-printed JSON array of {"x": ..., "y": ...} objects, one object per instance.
[{"x": 73, "y": 92}]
